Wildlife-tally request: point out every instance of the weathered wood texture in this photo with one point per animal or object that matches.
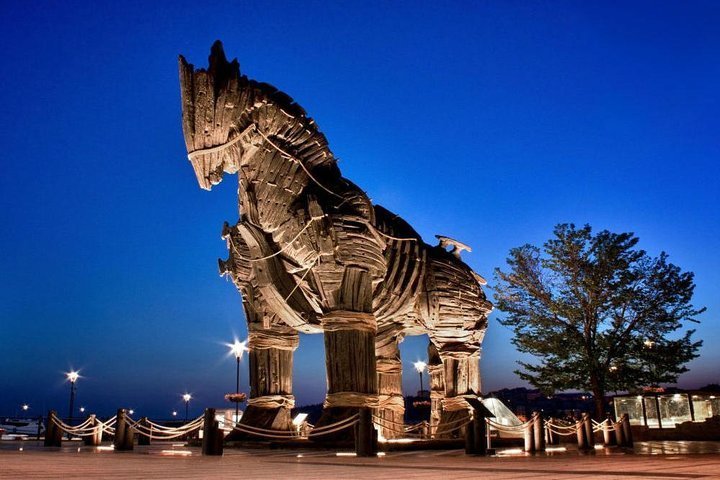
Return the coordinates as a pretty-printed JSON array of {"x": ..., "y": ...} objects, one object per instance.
[{"x": 311, "y": 253}]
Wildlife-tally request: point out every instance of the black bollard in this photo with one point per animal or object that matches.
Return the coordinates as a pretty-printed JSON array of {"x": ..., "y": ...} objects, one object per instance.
[
  {"x": 95, "y": 438},
  {"x": 589, "y": 435},
  {"x": 123, "y": 432},
  {"x": 539, "y": 431},
  {"x": 619, "y": 436},
  {"x": 143, "y": 436},
  {"x": 608, "y": 437},
  {"x": 476, "y": 432},
  {"x": 475, "y": 435},
  {"x": 470, "y": 439},
  {"x": 627, "y": 431},
  {"x": 212, "y": 442},
  {"x": 529, "y": 436},
  {"x": 365, "y": 434},
  {"x": 480, "y": 433},
  {"x": 53, "y": 434},
  {"x": 581, "y": 436},
  {"x": 550, "y": 436}
]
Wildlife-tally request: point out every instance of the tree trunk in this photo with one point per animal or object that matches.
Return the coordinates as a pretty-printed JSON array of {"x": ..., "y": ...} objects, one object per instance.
[{"x": 599, "y": 397}]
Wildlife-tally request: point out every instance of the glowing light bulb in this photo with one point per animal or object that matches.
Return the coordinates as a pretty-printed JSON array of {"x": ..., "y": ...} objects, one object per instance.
[{"x": 238, "y": 348}]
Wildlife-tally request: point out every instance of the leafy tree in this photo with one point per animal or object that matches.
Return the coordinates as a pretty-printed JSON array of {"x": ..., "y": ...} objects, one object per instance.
[{"x": 599, "y": 314}]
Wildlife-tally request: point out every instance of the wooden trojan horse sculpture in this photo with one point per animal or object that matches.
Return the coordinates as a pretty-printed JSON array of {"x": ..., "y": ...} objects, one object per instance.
[{"x": 312, "y": 254}]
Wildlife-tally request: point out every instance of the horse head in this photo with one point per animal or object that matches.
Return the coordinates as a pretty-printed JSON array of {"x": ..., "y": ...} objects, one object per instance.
[{"x": 226, "y": 115}]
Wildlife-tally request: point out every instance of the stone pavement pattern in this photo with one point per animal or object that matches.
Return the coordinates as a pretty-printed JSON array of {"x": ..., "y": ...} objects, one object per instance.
[{"x": 182, "y": 463}]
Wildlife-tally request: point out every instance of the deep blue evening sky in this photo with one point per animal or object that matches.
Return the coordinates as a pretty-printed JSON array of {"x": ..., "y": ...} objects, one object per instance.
[{"x": 489, "y": 122}]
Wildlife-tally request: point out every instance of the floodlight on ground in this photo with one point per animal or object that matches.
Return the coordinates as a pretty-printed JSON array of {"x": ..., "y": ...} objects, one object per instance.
[{"x": 299, "y": 419}]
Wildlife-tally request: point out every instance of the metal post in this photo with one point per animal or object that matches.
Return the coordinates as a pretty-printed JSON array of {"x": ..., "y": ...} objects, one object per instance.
[
  {"x": 72, "y": 401},
  {"x": 659, "y": 413},
  {"x": 691, "y": 407},
  {"x": 421, "y": 383},
  {"x": 237, "y": 389}
]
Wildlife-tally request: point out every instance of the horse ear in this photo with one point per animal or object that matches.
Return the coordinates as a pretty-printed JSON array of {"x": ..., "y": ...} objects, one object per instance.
[{"x": 219, "y": 67}]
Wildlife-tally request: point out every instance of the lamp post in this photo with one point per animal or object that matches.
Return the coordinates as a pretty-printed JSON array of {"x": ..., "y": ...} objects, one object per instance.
[
  {"x": 420, "y": 368},
  {"x": 72, "y": 377},
  {"x": 25, "y": 407},
  {"x": 186, "y": 398},
  {"x": 237, "y": 349}
]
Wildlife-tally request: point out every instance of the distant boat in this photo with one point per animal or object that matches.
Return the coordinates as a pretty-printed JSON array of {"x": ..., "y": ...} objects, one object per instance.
[{"x": 20, "y": 427}]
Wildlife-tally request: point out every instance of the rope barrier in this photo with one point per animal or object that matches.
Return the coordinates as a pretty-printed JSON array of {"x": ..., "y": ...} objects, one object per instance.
[
  {"x": 600, "y": 426},
  {"x": 509, "y": 428},
  {"x": 450, "y": 430},
  {"x": 192, "y": 422},
  {"x": 563, "y": 430},
  {"x": 352, "y": 420},
  {"x": 155, "y": 431},
  {"x": 403, "y": 432},
  {"x": 81, "y": 430},
  {"x": 292, "y": 434}
]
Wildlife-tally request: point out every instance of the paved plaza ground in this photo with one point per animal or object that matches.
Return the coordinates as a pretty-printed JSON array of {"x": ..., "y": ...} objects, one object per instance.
[{"x": 651, "y": 460}]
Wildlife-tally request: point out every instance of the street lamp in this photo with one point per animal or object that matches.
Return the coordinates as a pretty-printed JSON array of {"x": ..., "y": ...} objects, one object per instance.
[
  {"x": 174, "y": 413},
  {"x": 186, "y": 398},
  {"x": 82, "y": 409},
  {"x": 420, "y": 368},
  {"x": 72, "y": 376},
  {"x": 237, "y": 349},
  {"x": 25, "y": 407}
]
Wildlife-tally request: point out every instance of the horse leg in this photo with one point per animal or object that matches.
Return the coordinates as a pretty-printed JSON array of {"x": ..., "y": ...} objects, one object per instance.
[
  {"x": 436, "y": 371},
  {"x": 349, "y": 330},
  {"x": 389, "y": 371},
  {"x": 461, "y": 375},
  {"x": 271, "y": 349}
]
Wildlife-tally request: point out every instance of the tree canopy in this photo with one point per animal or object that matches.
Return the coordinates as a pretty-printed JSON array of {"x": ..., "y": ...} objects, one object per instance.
[{"x": 599, "y": 314}]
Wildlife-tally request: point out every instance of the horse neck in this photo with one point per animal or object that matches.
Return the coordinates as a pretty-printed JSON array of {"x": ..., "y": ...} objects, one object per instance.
[{"x": 272, "y": 184}]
